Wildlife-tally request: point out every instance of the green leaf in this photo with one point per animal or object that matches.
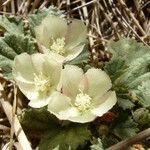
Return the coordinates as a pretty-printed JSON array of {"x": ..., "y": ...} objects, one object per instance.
[
  {"x": 134, "y": 72},
  {"x": 125, "y": 103},
  {"x": 115, "y": 68},
  {"x": 12, "y": 45},
  {"x": 12, "y": 25},
  {"x": 129, "y": 70},
  {"x": 38, "y": 119},
  {"x": 36, "y": 19},
  {"x": 142, "y": 93},
  {"x": 127, "y": 49},
  {"x": 125, "y": 129},
  {"x": 73, "y": 137},
  {"x": 109, "y": 140},
  {"x": 98, "y": 145}
]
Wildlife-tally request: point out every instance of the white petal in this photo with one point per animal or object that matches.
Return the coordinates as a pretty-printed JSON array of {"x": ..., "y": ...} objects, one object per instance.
[
  {"x": 26, "y": 66},
  {"x": 24, "y": 70},
  {"x": 39, "y": 32},
  {"x": 87, "y": 117},
  {"x": 60, "y": 106},
  {"x": 38, "y": 103},
  {"x": 70, "y": 79},
  {"x": 105, "y": 103},
  {"x": 98, "y": 82},
  {"x": 59, "y": 58},
  {"x": 53, "y": 69},
  {"x": 55, "y": 26},
  {"x": 51, "y": 27},
  {"x": 37, "y": 62},
  {"x": 76, "y": 33},
  {"x": 66, "y": 114},
  {"x": 23, "y": 67},
  {"x": 73, "y": 53},
  {"x": 28, "y": 89},
  {"x": 84, "y": 84},
  {"x": 59, "y": 102}
]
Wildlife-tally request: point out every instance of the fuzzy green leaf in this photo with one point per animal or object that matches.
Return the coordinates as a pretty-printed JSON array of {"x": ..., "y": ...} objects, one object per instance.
[
  {"x": 73, "y": 137},
  {"x": 125, "y": 103},
  {"x": 115, "y": 68},
  {"x": 12, "y": 25},
  {"x": 129, "y": 69},
  {"x": 38, "y": 119},
  {"x": 128, "y": 50},
  {"x": 109, "y": 140},
  {"x": 125, "y": 129},
  {"x": 12, "y": 45},
  {"x": 142, "y": 93},
  {"x": 134, "y": 72}
]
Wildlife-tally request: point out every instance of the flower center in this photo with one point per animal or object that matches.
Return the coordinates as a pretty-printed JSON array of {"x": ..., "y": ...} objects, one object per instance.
[
  {"x": 83, "y": 102},
  {"x": 58, "y": 46},
  {"x": 42, "y": 83}
]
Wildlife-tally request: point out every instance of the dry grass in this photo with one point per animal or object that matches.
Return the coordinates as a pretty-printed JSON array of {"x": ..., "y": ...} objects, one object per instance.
[{"x": 105, "y": 19}]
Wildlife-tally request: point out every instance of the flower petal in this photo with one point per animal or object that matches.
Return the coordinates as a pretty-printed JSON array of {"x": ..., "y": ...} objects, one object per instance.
[
  {"x": 98, "y": 82},
  {"x": 51, "y": 27},
  {"x": 51, "y": 54},
  {"x": 106, "y": 103},
  {"x": 76, "y": 33},
  {"x": 87, "y": 117},
  {"x": 38, "y": 103},
  {"x": 37, "y": 62},
  {"x": 60, "y": 106},
  {"x": 28, "y": 89},
  {"x": 25, "y": 83},
  {"x": 66, "y": 114},
  {"x": 59, "y": 102},
  {"x": 39, "y": 33},
  {"x": 23, "y": 67},
  {"x": 73, "y": 53},
  {"x": 27, "y": 67},
  {"x": 52, "y": 68},
  {"x": 70, "y": 79}
]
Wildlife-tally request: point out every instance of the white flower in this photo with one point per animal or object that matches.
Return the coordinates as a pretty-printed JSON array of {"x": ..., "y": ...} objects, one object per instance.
[
  {"x": 37, "y": 76},
  {"x": 58, "y": 37},
  {"x": 83, "y": 96}
]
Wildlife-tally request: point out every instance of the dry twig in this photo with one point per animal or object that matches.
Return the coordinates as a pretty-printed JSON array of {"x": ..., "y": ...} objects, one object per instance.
[
  {"x": 123, "y": 145},
  {"x": 16, "y": 126}
]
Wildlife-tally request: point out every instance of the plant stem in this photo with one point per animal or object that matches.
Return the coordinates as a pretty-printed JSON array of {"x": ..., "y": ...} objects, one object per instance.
[{"x": 123, "y": 145}]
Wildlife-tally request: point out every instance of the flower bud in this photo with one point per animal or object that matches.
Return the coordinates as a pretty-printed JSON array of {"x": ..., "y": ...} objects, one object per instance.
[{"x": 141, "y": 116}]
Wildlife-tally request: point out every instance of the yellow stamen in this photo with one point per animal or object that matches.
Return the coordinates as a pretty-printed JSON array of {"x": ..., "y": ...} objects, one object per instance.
[
  {"x": 42, "y": 83},
  {"x": 58, "y": 46},
  {"x": 83, "y": 102}
]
